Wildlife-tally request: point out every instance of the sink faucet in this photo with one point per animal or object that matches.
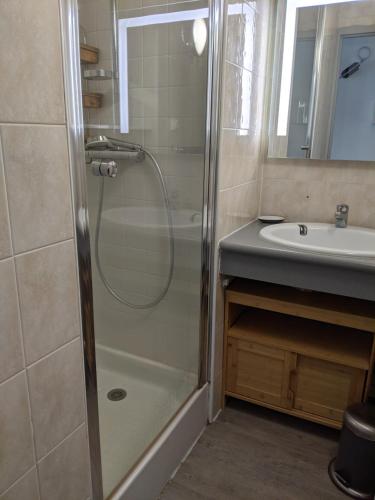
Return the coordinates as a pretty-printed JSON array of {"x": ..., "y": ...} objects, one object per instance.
[{"x": 341, "y": 215}]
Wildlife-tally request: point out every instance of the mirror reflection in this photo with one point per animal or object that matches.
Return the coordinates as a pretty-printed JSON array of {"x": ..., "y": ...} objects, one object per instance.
[{"x": 323, "y": 93}]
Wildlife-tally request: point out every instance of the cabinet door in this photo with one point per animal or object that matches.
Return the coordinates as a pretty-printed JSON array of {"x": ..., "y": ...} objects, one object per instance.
[
  {"x": 324, "y": 388},
  {"x": 259, "y": 372}
]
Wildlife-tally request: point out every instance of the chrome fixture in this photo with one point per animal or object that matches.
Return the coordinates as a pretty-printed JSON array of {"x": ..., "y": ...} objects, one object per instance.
[
  {"x": 109, "y": 148},
  {"x": 108, "y": 154},
  {"x": 102, "y": 168},
  {"x": 302, "y": 229},
  {"x": 341, "y": 215},
  {"x": 102, "y": 142},
  {"x": 102, "y": 147},
  {"x": 97, "y": 74}
]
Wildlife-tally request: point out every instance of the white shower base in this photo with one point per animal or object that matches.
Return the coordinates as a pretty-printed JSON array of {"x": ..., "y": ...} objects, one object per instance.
[{"x": 127, "y": 428}]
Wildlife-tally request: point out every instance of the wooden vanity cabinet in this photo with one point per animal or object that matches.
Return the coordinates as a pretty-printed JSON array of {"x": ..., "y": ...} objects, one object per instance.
[
  {"x": 259, "y": 372},
  {"x": 325, "y": 389},
  {"x": 291, "y": 363}
]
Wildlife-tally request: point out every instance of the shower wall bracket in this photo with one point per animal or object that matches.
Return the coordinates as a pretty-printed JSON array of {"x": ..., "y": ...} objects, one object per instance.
[{"x": 114, "y": 155}]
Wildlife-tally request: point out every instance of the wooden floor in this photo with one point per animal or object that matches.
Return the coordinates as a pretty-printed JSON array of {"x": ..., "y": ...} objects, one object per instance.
[{"x": 254, "y": 453}]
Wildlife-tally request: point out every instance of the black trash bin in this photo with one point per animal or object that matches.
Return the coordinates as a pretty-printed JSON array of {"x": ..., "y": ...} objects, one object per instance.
[{"x": 353, "y": 470}]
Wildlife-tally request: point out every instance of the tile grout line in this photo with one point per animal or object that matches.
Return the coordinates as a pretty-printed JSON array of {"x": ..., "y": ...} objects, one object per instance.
[
  {"x": 252, "y": 181},
  {"x": 31, "y": 421},
  {"x": 2, "y": 162},
  {"x": 48, "y": 245},
  {"x": 35, "y": 124},
  {"x": 45, "y": 356},
  {"x": 54, "y": 448},
  {"x": 7, "y": 490},
  {"x": 19, "y": 319}
]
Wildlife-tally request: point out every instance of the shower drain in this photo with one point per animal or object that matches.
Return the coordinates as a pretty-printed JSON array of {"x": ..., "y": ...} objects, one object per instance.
[{"x": 116, "y": 394}]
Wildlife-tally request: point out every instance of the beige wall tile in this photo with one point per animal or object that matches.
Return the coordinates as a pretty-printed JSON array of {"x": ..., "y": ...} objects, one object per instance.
[
  {"x": 235, "y": 38},
  {"x": 239, "y": 157},
  {"x": 11, "y": 356},
  {"x": 5, "y": 241},
  {"x": 17, "y": 454},
  {"x": 48, "y": 298},
  {"x": 311, "y": 191},
  {"x": 35, "y": 187},
  {"x": 25, "y": 488},
  {"x": 31, "y": 86},
  {"x": 36, "y": 167},
  {"x": 64, "y": 472},
  {"x": 236, "y": 207},
  {"x": 56, "y": 395},
  {"x": 230, "y": 98}
]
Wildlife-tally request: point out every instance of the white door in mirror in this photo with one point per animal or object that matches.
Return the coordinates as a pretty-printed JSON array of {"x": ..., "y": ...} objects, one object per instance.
[{"x": 324, "y": 238}]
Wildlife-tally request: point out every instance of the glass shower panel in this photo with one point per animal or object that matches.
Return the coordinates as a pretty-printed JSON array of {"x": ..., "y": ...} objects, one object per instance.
[{"x": 145, "y": 223}]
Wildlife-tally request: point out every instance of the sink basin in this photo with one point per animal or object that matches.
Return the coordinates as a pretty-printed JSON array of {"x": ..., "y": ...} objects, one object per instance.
[{"x": 324, "y": 238}]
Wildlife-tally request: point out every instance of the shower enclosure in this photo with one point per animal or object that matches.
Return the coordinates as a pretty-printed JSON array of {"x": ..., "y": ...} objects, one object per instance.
[{"x": 146, "y": 73}]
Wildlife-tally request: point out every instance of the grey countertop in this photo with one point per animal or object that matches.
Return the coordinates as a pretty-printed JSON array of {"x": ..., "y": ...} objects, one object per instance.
[{"x": 246, "y": 254}]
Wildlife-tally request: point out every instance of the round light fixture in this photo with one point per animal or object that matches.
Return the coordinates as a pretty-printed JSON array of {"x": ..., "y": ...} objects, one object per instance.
[{"x": 199, "y": 35}]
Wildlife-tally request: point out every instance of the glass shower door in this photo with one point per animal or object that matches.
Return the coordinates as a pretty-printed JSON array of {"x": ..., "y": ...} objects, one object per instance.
[{"x": 146, "y": 222}]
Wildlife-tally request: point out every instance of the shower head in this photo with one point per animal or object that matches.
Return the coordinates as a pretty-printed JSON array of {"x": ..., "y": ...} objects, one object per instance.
[
  {"x": 104, "y": 142},
  {"x": 98, "y": 142}
]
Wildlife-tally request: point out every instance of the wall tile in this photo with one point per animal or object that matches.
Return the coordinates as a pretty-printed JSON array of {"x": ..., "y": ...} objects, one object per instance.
[
  {"x": 36, "y": 167},
  {"x": 309, "y": 192},
  {"x": 235, "y": 38},
  {"x": 33, "y": 60},
  {"x": 231, "y": 95},
  {"x": 5, "y": 242},
  {"x": 56, "y": 395},
  {"x": 155, "y": 39},
  {"x": 155, "y": 71},
  {"x": 25, "y": 488},
  {"x": 239, "y": 157},
  {"x": 48, "y": 298},
  {"x": 17, "y": 455},
  {"x": 237, "y": 206},
  {"x": 11, "y": 357},
  {"x": 64, "y": 472}
]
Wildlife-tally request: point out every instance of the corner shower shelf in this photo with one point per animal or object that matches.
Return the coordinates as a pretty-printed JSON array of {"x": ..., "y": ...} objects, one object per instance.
[
  {"x": 92, "y": 100},
  {"x": 89, "y": 54}
]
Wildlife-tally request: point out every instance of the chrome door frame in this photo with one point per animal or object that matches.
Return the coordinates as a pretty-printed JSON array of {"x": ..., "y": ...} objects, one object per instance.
[
  {"x": 75, "y": 129},
  {"x": 214, "y": 90}
]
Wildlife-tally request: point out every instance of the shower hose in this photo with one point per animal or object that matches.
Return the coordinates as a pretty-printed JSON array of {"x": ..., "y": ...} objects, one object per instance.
[{"x": 105, "y": 281}]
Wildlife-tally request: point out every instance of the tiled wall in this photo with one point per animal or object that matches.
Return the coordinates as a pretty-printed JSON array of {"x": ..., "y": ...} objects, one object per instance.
[
  {"x": 240, "y": 145},
  {"x": 43, "y": 438},
  {"x": 310, "y": 191}
]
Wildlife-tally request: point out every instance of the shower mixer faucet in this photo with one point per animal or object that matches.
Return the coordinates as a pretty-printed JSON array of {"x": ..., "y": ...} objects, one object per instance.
[{"x": 103, "y": 168}]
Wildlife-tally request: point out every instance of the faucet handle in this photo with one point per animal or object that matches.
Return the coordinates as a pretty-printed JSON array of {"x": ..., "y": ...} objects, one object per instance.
[{"x": 342, "y": 208}]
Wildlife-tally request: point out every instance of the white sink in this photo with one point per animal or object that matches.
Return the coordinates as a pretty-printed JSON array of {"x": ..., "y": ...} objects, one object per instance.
[{"x": 325, "y": 238}]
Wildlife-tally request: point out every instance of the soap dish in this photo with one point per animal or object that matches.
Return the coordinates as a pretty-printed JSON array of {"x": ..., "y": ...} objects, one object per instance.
[{"x": 271, "y": 219}]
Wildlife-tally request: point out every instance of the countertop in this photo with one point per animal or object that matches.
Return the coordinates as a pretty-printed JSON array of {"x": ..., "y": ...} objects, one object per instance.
[{"x": 246, "y": 254}]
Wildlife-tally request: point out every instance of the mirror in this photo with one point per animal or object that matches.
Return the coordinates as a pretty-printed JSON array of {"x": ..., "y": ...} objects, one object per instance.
[{"x": 323, "y": 82}]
